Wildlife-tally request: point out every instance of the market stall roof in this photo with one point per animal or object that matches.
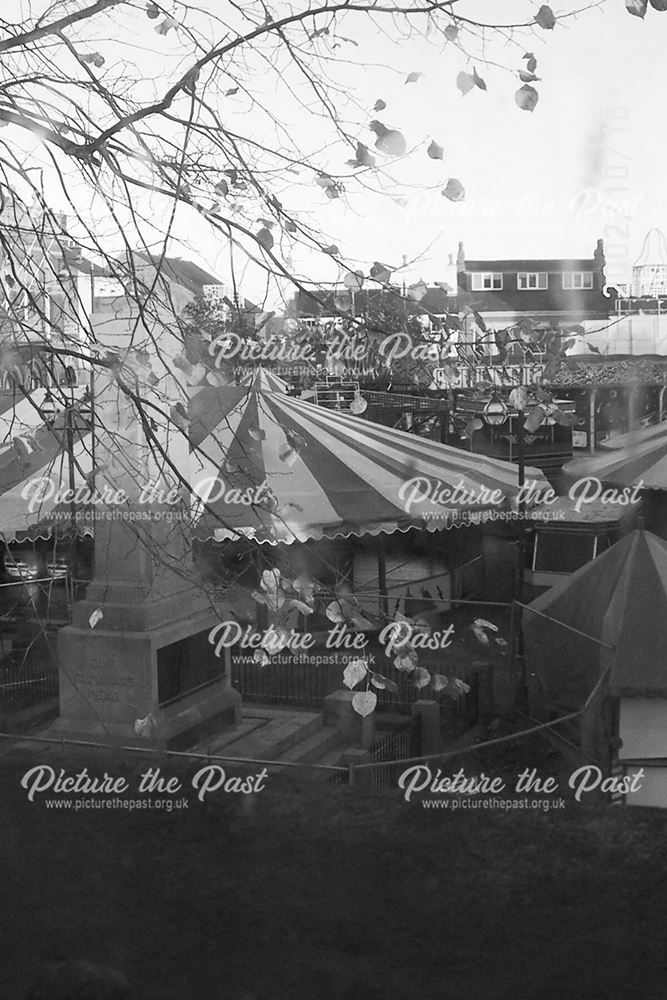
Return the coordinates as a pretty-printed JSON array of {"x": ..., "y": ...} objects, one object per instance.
[
  {"x": 610, "y": 613},
  {"x": 567, "y": 513},
  {"x": 634, "y": 458},
  {"x": 279, "y": 469},
  {"x": 31, "y": 451}
]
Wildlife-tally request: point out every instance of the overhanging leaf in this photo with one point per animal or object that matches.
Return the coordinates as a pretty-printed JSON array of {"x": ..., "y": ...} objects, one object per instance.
[
  {"x": 421, "y": 677},
  {"x": 304, "y": 609},
  {"x": 354, "y": 672},
  {"x": 380, "y": 272},
  {"x": 95, "y": 617},
  {"x": 389, "y": 141},
  {"x": 451, "y": 32},
  {"x": 417, "y": 291},
  {"x": 354, "y": 281},
  {"x": 264, "y": 238},
  {"x": 527, "y": 97},
  {"x": 465, "y": 82},
  {"x": 406, "y": 662},
  {"x": 275, "y": 639},
  {"x": 364, "y": 703},
  {"x": 379, "y": 105},
  {"x": 546, "y": 19},
  {"x": 534, "y": 419},
  {"x": 477, "y": 80},
  {"x": 473, "y": 425},
  {"x": 636, "y": 7},
  {"x": 435, "y": 151},
  {"x": 358, "y": 404},
  {"x": 363, "y": 158},
  {"x": 454, "y": 190},
  {"x": 166, "y": 25},
  {"x": 334, "y": 612},
  {"x": 94, "y": 58},
  {"x": 459, "y": 687},
  {"x": 271, "y": 579},
  {"x": 485, "y": 623},
  {"x": 413, "y": 77}
]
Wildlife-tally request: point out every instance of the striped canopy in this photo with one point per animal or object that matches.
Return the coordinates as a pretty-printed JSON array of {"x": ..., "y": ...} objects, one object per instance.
[
  {"x": 640, "y": 456},
  {"x": 264, "y": 381},
  {"x": 279, "y": 469},
  {"x": 30, "y": 451}
]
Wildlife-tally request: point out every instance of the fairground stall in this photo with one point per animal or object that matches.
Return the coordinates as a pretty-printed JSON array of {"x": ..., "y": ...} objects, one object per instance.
[{"x": 372, "y": 522}]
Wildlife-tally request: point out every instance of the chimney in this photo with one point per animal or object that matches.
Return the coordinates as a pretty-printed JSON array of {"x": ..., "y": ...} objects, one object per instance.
[{"x": 461, "y": 259}]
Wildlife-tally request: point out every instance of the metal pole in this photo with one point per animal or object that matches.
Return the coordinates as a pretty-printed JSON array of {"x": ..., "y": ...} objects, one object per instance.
[
  {"x": 522, "y": 693},
  {"x": 69, "y": 438},
  {"x": 92, "y": 429},
  {"x": 382, "y": 578},
  {"x": 69, "y": 430}
]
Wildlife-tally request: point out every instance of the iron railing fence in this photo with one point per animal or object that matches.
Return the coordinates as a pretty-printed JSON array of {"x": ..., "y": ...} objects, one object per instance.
[
  {"x": 402, "y": 743},
  {"x": 26, "y": 682}
]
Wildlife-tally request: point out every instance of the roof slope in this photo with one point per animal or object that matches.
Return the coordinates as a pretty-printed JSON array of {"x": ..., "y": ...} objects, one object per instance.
[
  {"x": 325, "y": 473},
  {"x": 618, "y": 605}
]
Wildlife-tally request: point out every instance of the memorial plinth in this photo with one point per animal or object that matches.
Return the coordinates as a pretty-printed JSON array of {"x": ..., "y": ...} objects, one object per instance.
[{"x": 136, "y": 666}]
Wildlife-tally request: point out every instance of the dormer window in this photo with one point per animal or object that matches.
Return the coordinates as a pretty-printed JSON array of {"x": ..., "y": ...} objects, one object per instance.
[
  {"x": 487, "y": 281},
  {"x": 532, "y": 280},
  {"x": 577, "y": 279}
]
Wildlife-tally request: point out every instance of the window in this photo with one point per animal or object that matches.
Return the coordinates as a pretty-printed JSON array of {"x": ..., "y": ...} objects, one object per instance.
[
  {"x": 577, "y": 279},
  {"x": 487, "y": 282},
  {"x": 527, "y": 280}
]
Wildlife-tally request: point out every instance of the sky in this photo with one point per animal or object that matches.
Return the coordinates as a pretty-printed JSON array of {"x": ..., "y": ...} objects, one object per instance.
[{"x": 587, "y": 163}]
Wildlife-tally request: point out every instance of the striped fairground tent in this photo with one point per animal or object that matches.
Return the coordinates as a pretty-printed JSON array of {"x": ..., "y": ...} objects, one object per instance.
[
  {"x": 637, "y": 457},
  {"x": 35, "y": 463},
  {"x": 279, "y": 469},
  {"x": 264, "y": 381}
]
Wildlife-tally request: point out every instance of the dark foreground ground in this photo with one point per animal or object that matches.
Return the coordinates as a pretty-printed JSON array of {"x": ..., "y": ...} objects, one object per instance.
[{"x": 315, "y": 892}]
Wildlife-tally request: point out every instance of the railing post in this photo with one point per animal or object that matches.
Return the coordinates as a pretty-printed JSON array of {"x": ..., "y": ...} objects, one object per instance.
[
  {"x": 359, "y": 779},
  {"x": 428, "y": 712}
]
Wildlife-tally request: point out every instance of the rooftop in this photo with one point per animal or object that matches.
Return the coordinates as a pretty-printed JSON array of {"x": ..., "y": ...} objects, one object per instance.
[{"x": 183, "y": 272}]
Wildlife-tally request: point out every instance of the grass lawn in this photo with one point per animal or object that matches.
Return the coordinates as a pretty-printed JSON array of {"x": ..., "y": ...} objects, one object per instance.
[{"x": 311, "y": 891}]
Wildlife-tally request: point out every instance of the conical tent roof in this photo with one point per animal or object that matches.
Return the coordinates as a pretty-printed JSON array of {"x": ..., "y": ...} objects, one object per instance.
[
  {"x": 610, "y": 613},
  {"x": 264, "y": 380},
  {"x": 293, "y": 471}
]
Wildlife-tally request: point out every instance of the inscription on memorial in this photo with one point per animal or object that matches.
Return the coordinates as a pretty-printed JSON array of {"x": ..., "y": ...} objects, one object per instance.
[{"x": 104, "y": 680}]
